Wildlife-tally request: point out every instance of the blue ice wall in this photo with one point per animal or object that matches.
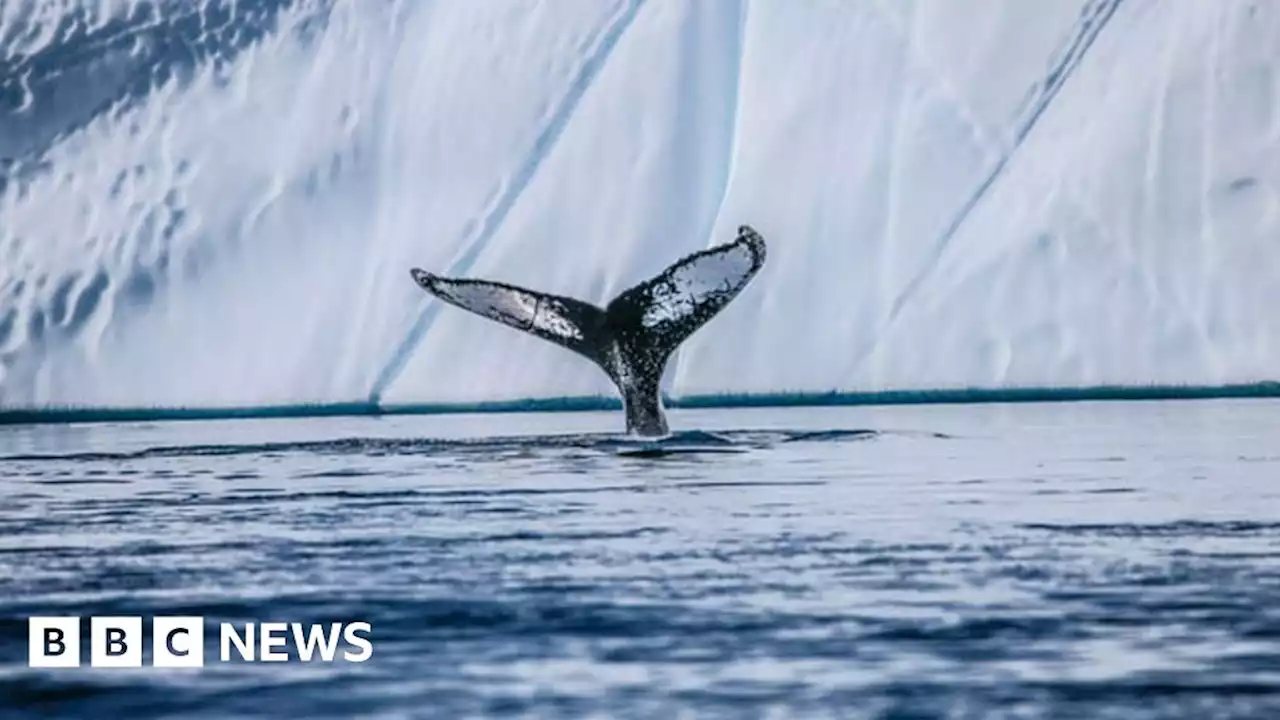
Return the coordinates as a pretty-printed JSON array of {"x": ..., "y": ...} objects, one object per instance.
[{"x": 216, "y": 203}]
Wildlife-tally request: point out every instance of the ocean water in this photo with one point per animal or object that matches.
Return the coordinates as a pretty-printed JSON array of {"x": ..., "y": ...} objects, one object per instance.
[{"x": 1075, "y": 560}]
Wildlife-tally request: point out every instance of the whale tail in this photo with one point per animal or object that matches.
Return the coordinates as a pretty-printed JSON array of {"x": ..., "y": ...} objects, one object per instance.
[{"x": 632, "y": 337}]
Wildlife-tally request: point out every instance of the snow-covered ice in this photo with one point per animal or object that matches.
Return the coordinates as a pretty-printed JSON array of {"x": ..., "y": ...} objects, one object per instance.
[{"x": 217, "y": 203}]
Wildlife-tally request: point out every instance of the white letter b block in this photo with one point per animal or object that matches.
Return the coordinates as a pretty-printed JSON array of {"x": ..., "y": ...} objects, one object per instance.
[
  {"x": 53, "y": 642},
  {"x": 115, "y": 642}
]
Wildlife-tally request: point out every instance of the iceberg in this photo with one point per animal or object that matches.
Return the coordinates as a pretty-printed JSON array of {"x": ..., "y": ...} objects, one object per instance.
[{"x": 215, "y": 203}]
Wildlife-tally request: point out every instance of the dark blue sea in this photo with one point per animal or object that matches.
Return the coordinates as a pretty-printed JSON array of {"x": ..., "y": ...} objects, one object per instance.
[{"x": 1074, "y": 560}]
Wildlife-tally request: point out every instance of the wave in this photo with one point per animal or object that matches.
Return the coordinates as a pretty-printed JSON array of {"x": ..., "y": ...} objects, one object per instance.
[{"x": 700, "y": 440}]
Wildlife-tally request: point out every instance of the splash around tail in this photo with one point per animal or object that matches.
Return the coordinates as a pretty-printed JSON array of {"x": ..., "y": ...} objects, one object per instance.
[{"x": 632, "y": 337}]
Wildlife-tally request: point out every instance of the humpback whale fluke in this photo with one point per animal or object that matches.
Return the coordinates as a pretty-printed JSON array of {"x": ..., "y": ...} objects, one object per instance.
[{"x": 631, "y": 338}]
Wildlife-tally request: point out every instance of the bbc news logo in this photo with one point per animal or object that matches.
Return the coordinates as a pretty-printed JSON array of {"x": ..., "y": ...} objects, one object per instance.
[{"x": 179, "y": 642}]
